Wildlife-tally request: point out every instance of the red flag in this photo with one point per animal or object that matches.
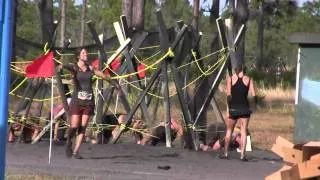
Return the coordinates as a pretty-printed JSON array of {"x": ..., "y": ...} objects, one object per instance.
[
  {"x": 115, "y": 65},
  {"x": 43, "y": 66},
  {"x": 141, "y": 71}
]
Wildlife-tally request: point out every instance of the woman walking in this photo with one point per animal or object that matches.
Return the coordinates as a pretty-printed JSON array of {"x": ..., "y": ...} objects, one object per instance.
[
  {"x": 82, "y": 102},
  {"x": 238, "y": 86}
]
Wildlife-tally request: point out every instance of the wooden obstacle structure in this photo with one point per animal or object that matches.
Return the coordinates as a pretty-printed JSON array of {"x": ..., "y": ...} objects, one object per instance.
[{"x": 173, "y": 53}]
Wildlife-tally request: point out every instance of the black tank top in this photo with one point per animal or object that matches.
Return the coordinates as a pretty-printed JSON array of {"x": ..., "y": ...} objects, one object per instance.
[
  {"x": 239, "y": 93},
  {"x": 82, "y": 83}
]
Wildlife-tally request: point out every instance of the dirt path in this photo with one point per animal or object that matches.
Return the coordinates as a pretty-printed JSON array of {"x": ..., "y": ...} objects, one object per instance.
[{"x": 130, "y": 161}]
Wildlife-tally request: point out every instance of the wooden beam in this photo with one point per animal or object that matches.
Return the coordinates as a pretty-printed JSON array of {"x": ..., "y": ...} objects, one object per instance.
[
  {"x": 123, "y": 99},
  {"x": 218, "y": 78},
  {"x": 164, "y": 45},
  {"x": 130, "y": 66},
  {"x": 128, "y": 119}
]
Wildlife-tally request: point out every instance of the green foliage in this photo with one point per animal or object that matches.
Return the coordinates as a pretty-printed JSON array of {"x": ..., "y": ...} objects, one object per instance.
[
  {"x": 28, "y": 24},
  {"x": 281, "y": 19},
  {"x": 270, "y": 80}
]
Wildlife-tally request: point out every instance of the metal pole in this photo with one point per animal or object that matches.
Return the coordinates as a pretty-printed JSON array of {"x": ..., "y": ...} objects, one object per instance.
[
  {"x": 297, "y": 78},
  {"x": 6, "y": 29}
]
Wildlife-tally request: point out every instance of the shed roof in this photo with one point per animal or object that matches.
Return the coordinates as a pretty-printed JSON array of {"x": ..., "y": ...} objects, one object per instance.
[{"x": 305, "y": 38}]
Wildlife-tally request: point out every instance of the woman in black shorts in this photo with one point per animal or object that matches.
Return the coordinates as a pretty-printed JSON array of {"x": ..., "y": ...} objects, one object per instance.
[
  {"x": 238, "y": 86},
  {"x": 82, "y": 102}
]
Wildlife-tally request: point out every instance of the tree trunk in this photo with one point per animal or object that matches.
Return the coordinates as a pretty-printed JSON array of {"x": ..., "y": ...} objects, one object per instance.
[
  {"x": 16, "y": 3},
  {"x": 83, "y": 17},
  {"x": 46, "y": 18},
  {"x": 63, "y": 21},
  {"x": 195, "y": 19},
  {"x": 260, "y": 36},
  {"x": 214, "y": 11},
  {"x": 240, "y": 16},
  {"x": 127, "y": 10},
  {"x": 134, "y": 12},
  {"x": 137, "y": 18}
]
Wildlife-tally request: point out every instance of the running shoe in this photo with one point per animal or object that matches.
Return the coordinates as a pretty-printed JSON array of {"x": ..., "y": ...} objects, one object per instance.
[
  {"x": 76, "y": 156},
  {"x": 69, "y": 148}
]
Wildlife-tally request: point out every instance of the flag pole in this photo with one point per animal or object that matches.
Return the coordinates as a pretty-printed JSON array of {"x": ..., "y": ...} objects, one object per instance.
[
  {"x": 51, "y": 121},
  {"x": 6, "y": 22}
]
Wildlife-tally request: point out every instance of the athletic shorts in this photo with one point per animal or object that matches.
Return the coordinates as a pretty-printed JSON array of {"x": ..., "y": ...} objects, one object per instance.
[
  {"x": 81, "y": 110},
  {"x": 239, "y": 116},
  {"x": 236, "y": 113}
]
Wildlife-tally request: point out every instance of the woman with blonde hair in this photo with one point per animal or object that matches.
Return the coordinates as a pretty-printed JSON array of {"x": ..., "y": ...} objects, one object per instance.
[{"x": 238, "y": 86}]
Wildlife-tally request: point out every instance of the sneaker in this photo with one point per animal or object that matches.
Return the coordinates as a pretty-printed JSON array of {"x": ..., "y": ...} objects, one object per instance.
[
  {"x": 243, "y": 158},
  {"x": 69, "y": 149},
  {"x": 223, "y": 156},
  {"x": 76, "y": 156}
]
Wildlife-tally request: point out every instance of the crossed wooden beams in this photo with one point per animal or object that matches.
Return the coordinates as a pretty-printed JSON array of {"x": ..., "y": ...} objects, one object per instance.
[
  {"x": 128, "y": 48},
  {"x": 162, "y": 69}
]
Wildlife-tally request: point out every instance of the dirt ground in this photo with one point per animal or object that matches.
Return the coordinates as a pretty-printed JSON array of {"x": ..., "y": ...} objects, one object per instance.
[{"x": 131, "y": 161}]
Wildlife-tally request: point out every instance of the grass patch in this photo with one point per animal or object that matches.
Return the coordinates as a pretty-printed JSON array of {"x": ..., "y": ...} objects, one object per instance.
[{"x": 12, "y": 175}]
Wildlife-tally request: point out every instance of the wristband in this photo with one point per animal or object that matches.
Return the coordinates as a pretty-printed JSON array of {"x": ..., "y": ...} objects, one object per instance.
[{"x": 229, "y": 97}]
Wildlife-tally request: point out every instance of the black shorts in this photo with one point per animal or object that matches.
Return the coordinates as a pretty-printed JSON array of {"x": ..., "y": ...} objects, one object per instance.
[
  {"x": 239, "y": 116},
  {"x": 236, "y": 113}
]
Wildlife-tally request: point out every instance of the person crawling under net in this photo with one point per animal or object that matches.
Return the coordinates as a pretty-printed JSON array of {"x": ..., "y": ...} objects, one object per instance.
[{"x": 140, "y": 132}]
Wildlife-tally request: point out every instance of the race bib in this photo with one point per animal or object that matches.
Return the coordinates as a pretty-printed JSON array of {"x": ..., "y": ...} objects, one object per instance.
[{"x": 84, "y": 95}]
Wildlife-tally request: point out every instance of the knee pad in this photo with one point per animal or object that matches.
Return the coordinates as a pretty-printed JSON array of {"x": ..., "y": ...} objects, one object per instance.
[
  {"x": 71, "y": 132},
  {"x": 82, "y": 129}
]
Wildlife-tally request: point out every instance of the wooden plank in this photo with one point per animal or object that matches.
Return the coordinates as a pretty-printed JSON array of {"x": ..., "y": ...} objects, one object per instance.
[
  {"x": 97, "y": 118},
  {"x": 36, "y": 85},
  {"x": 312, "y": 144},
  {"x": 277, "y": 149},
  {"x": 283, "y": 142},
  {"x": 218, "y": 78},
  {"x": 292, "y": 155},
  {"x": 155, "y": 110},
  {"x": 309, "y": 169},
  {"x": 123, "y": 99},
  {"x": 216, "y": 110},
  {"x": 137, "y": 104},
  {"x": 166, "y": 104},
  {"x": 125, "y": 27},
  {"x": 119, "y": 33},
  {"x": 309, "y": 151},
  {"x": 285, "y": 173},
  {"x": 164, "y": 45},
  {"x": 60, "y": 84},
  {"x": 316, "y": 156},
  {"x": 118, "y": 51},
  {"x": 130, "y": 67}
]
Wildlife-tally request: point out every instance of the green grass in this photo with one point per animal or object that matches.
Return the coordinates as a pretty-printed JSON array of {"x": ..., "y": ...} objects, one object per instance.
[{"x": 12, "y": 175}]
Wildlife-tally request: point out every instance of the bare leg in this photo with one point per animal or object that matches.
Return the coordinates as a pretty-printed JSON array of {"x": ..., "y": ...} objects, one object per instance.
[
  {"x": 11, "y": 135},
  {"x": 74, "y": 124},
  {"x": 243, "y": 126},
  {"x": 230, "y": 123},
  {"x": 35, "y": 133},
  {"x": 55, "y": 133},
  {"x": 82, "y": 130}
]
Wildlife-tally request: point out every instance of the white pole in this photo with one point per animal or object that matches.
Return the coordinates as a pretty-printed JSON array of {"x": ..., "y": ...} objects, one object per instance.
[
  {"x": 51, "y": 121},
  {"x": 145, "y": 85},
  {"x": 117, "y": 99},
  {"x": 297, "y": 77}
]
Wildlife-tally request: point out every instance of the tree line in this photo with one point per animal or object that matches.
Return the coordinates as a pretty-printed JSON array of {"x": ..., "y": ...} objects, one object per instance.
[{"x": 268, "y": 22}]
